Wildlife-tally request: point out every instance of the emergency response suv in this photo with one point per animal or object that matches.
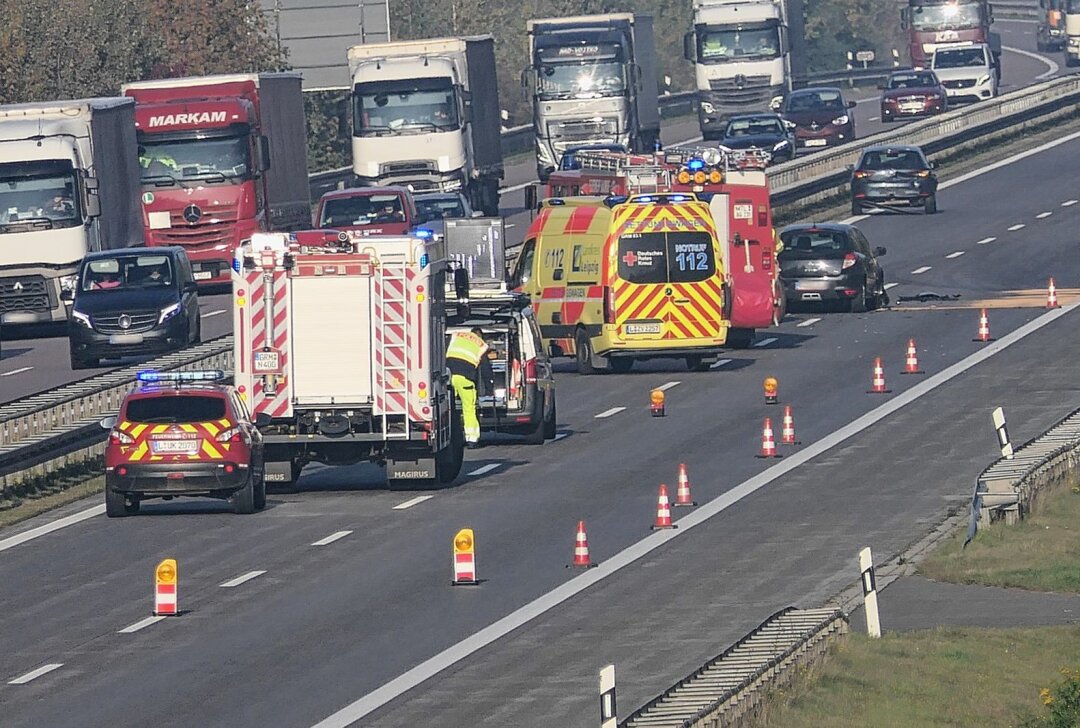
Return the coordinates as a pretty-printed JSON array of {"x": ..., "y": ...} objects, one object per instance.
[{"x": 182, "y": 434}]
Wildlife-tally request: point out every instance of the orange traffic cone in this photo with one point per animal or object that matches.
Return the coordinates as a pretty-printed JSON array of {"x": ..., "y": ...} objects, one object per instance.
[
  {"x": 984, "y": 328},
  {"x": 663, "y": 511},
  {"x": 768, "y": 444},
  {"x": 911, "y": 366},
  {"x": 581, "y": 548},
  {"x": 1051, "y": 295},
  {"x": 682, "y": 494},
  {"x": 787, "y": 430},
  {"x": 879, "y": 379}
]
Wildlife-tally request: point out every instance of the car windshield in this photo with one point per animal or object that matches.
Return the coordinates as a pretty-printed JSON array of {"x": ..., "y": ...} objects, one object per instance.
[
  {"x": 902, "y": 159},
  {"x": 724, "y": 45},
  {"x": 803, "y": 242},
  {"x": 127, "y": 272},
  {"x": 816, "y": 101},
  {"x": 959, "y": 58},
  {"x": 361, "y": 210},
  {"x": 440, "y": 208},
  {"x": 405, "y": 107},
  {"x": 947, "y": 16},
  {"x": 175, "y": 408},
  {"x": 754, "y": 127},
  {"x": 679, "y": 257},
  {"x": 581, "y": 81},
  {"x": 37, "y": 195},
  {"x": 912, "y": 80},
  {"x": 221, "y": 159}
]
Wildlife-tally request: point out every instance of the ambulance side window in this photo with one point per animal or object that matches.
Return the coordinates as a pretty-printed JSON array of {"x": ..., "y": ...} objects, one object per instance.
[{"x": 523, "y": 269}]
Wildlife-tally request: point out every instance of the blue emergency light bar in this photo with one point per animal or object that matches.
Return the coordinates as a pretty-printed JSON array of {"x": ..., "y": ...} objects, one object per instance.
[
  {"x": 695, "y": 164},
  {"x": 148, "y": 376},
  {"x": 423, "y": 233}
]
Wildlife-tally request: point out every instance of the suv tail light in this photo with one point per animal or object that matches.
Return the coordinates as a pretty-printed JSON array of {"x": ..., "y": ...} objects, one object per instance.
[
  {"x": 609, "y": 306},
  {"x": 849, "y": 260},
  {"x": 117, "y": 437},
  {"x": 530, "y": 371},
  {"x": 766, "y": 260},
  {"x": 859, "y": 174},
  {"x": 230, "y": 435}
]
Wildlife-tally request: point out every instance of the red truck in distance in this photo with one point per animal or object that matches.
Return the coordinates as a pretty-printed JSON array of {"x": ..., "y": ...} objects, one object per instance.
[
  {"x": 930, "y": 23},
  {"x": 221, "y": 157}
]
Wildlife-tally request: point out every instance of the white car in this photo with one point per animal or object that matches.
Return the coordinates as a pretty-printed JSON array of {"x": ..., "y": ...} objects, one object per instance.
[{"x": 966, "y": 70}]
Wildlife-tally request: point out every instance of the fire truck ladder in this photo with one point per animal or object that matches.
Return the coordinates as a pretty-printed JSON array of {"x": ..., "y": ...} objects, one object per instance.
[
  {"x": 643, "y": 172},
  {"x": 392, "y": 370}
]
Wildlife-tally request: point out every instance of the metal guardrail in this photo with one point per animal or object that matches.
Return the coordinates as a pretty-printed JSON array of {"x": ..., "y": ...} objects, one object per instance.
[
  {"x": 1017, "y": 10},
  {"x": 726, "y": 689}
]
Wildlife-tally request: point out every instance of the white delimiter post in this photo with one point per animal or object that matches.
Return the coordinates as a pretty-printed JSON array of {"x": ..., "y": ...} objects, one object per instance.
[
  {"x": 608, "y": 718},
  {"x": 869, "y": 590},
  {"x": 1002, "y": 434}
]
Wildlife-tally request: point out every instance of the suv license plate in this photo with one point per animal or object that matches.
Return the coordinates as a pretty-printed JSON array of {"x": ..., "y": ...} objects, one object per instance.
[
  {"x": 175, "y": 447},
  {"x": 653, "y": 328}
]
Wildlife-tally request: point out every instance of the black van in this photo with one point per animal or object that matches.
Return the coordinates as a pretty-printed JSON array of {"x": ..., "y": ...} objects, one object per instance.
[{"x": 133, "y": 302}]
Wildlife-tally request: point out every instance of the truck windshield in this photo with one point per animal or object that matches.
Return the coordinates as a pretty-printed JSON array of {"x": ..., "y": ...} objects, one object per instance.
[
  {"x": 207, "y": 159},
  {"x": 662, "y": 257},
  {"x": 581, "y": 80},
  {"x": 127, "y": 272},
  {"x": 404, "y": 107},
  {"x": 1073, "y": 6},
  {"x": 361, "y": 210},
  {"x": 950, "y": 16},
  {"x": 727, "y": 45},
  {"x": 38, "y": 195}
]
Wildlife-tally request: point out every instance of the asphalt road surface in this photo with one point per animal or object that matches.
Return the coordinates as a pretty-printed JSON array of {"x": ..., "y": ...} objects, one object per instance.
[{"x": 354, "y": 625}]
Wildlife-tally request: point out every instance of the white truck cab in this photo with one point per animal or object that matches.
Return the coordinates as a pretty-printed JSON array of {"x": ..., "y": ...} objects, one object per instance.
[{"x": 966, "y": 70}]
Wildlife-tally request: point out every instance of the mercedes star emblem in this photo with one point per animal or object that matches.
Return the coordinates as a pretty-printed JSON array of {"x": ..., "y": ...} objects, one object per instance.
[
  {"x": 192, "y": 214},
  {"x": 124, "y": 321},
  {"x": 740, "y": 80}
]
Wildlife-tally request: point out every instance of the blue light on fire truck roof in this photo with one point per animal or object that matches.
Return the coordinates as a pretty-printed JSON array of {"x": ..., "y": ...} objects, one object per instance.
[
  {"x": 423, "y": 233},
  {"x": 148, "y": 376},
  {"x": 236, "y": 264},
  {"x": 423, "y": 260},
  {"x": 695, "y": 164}
]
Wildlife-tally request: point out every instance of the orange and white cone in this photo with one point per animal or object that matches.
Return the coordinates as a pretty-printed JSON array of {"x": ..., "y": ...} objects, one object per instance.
[
  {"x": 878, "y": 386},
  {"x": 663, "y": 511},
  {"x": 581, "y": 548},
  {"x": 768, "y": 444},
  {"x": 911, "y": 365},
  {"x": 682, "y": 493},
  {"x": 787, "y": 429},
  {"x": 984, "y": 328},
  {"x": 1051, "y": 295}
]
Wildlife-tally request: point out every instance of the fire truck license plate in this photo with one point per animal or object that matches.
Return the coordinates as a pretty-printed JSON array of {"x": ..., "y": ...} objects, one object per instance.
[
  {"x": 743, "y": 211},
  {"x": 653, "y": 328},
  {"x": 267, "y": 361},
  {"x": 175, "y": 447}
]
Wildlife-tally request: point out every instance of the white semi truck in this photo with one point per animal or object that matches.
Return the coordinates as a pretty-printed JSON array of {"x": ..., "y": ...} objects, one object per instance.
[
  {"x": 1072, "y": 32},
  {"x": 741, "y": 57},
  {"x": 69, "y": 184},
  {"x": 426, "y": 116}
]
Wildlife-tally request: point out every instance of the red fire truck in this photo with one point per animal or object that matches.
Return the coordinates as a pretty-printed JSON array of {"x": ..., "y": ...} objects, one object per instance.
[
  {"x": 340, "y": 353},
  {"x": 735, "y": 184},
  {"x": 931, "y": 23}
]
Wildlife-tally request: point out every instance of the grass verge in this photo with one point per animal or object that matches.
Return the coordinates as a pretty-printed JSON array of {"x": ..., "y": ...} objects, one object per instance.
[{"x": 30, "y": 507}]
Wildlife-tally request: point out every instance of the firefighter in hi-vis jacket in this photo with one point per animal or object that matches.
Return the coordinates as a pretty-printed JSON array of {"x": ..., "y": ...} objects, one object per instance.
[{"x": 466, "y": 358}]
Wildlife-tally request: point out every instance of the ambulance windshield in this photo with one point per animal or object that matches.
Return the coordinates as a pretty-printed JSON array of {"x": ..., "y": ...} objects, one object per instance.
[{"x": 666, "y": 257}]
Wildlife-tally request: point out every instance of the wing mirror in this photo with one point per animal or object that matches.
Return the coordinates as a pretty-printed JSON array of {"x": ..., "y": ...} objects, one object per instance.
[
  {"x": 262, "y": 420},
  {"x": 851, "y": 104},
  {"x": 108, "y": 423},
  {"x": 879, "y": 251},
  {"x": 933, "y": 165}
]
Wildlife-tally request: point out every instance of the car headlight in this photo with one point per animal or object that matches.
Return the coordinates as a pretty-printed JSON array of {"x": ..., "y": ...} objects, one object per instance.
[
  {"x": 841, "y": 120},
  {"x": 707, "y": 107},
  {"x": 451, "y": 185},
  {"x": 81, "y": 317},
  {"x": 168, "y": 312},
  {"x": 982, "y": 80}
]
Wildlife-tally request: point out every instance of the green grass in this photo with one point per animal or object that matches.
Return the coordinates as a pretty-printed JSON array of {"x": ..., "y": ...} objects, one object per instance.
[
  {"x": 30, "y": 507},
  {"x": 945, "y": 677}
]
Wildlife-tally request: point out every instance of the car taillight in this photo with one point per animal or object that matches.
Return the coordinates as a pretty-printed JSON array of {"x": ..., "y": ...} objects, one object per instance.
[
  {"x": 861, "y": 173},
  {"x": 230, "y": 435},
  {"x": 849, "y": 260},
  {"x": 530, "y": 371},
  {"x": 766, "y": 260},
  {"x": 116, "y": 437},
  {"x": 609, "y": 306}
]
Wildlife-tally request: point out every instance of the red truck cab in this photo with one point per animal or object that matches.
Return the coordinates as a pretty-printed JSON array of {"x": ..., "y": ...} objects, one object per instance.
[
  {"x": 930, "y": 23},
  {"x": 368, "y": 211}
]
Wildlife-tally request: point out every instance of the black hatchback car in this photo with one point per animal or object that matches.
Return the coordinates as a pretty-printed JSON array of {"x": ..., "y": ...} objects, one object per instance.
[
  {"x": 133, "y": 302},
  {"x": 761, "y": 131},
  {"x": 893, "y": 175},
  {"x": 831, "y": 263}
]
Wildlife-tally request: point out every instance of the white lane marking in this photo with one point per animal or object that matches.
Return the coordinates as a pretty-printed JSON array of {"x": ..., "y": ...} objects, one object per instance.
[
  {"x": 541, "y": 605},
  {"x": 1069, "y": 203},
  {"x": 560, "y": 435},
  {"x": 984, "y": 241},
  {"x": 1051, "y": 67},
  {"x": 923, "y": 269},
  {"x": 209, "y": 314},
  {"x": 722, "y": 362},
  {"x": 515, "y": 188},
  {"x": 141, "y": 624},
  {"x": 486, "y": 469},
  {"x": 686, "y": 141},
  {"x": 334, "y": 537},
  {"x": 609, "y": 413},
  {"x": 1009, "y": 160},
  {"x": 412, "y": 502},
  {"x": 807, "y": 322},
  {"x": 957, "y": 254},
  {"x": 765, "y": 342},
  {"x": 56, "y": 525},
  {"x": 889, "y": 286},
  {"x": 669, "y": 385},
  {"x": 16, "y": 371},
  {"x": 34, "y": 674},
  {"x": 241, "y": 579},
  {"x": 1014, "y": 228},
  {"x": 510, "y": 225},
  {"x": 1043, "y": 215},
  {"x": 873, "y": 118}
]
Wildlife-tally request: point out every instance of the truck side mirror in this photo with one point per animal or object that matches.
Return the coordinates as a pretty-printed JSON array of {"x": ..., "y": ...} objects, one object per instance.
[
  {"x": 263, "y": 420},
  {"x": 879, "y": 251},
  {"x": 688, "y": 49},
  {"x": 466, "y": 106},
  {"x": 461, "y": 283},
  {"x": 785, "y": 43},
  {"x": 264, "y": 153},
  {"x": 905, "y": 18},
  {"x": 530, "y": 197},
  {"x": 91, "y": 201}
]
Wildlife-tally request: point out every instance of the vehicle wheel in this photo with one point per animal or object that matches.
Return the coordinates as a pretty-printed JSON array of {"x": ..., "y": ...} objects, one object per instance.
[
  {"x": 697, "y": 363},
  {"x": 243, "y": 500},
  {"x": 880, "y": 297},
  {"x": 740, "y": 338},
  {"x": 930, "y": 207},
  {"x": 551, "y": 424},
  {"x": 260, "y": 491},
  {"x": 856, "y": 207},
  {"x": 858, "y": 303},
  {"x": 197, "y": 339},
  {"x": 80, "y": 363},
  {"x": 536, "y": 437},
  {"x": 583, "y": 352},
  {"x": 116, "y": 505},
  {"x": 622, "y": 365}
]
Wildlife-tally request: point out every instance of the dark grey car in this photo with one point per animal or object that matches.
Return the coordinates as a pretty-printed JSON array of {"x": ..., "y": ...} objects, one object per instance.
[
  {"x": 887, "y": 176},
  {"x": 831, "y": 263}
]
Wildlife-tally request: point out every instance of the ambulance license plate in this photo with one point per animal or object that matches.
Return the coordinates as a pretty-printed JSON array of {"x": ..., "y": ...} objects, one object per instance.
[
  {"x": 175, "y": 447},
  {"x": 267, "y": 361},
  {"x": 650, "y": 328}
]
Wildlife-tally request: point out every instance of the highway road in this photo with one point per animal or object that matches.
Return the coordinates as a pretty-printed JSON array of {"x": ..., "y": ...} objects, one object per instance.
[
  {"x": 353, "y": 624},
  {"x": 38, "y": 359}
]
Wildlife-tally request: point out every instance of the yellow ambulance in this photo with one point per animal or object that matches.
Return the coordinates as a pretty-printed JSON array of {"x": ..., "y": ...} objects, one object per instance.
[{"x": 626, "y": 278}]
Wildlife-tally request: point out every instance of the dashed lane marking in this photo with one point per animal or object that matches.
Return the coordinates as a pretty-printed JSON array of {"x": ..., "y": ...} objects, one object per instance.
[
  {"x": 722, "y": 362},
  {"x": 890, "y": 286},
  {"x": 1043, "y": 215},
  {"x": 16, "y": 371},
  {"x": 669, "y": 385},
  {"x": 35, "y": 674},
  {"x": 765, "y": 342},
  {"x": 917, "y": 271},
  {"x": 218, "y": 312},
  {"x": 412, "y": 502},
  {"x": 141, "y": 624},
  {"x": 486, "y": 469},
  {"x": 807, "y": 322},
  {"x": 609, "y": 413},
  {"x": 243, "y": 578},
  {"x": 560, "y": 436},
  {"x": 957, "y": 254},
  {"x": 336, "y": 535},
  {"x": 985, "y": 241},
  {"x": 1017, "y": 226},
  {"x": 1069, "y": 203}
]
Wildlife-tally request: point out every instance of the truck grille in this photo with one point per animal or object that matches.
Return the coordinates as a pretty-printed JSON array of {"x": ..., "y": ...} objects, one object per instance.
[
  {"x": 214, "y": 228},
  {"x": 959, "y": 83},
  {"x": 27, "y": 293},
  {"x": 412, "y": 166},
  {"x": 576, "y": 131},
  {"x": 750, "y": 92},
  {"x": 138, "y": 322}
]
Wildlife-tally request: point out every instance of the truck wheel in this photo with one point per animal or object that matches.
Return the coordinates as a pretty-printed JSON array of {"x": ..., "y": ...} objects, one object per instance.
[
  {"x": 448, "y": 463},
  {"x": 116, "y": 505},
  {"x": 740, "y": 338},
  {"x": 243, "y": 500},
  {"x": 78, "y": 363},
  {"x": 583, "y": 351},
  {"x": 551, "y": 423}
]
